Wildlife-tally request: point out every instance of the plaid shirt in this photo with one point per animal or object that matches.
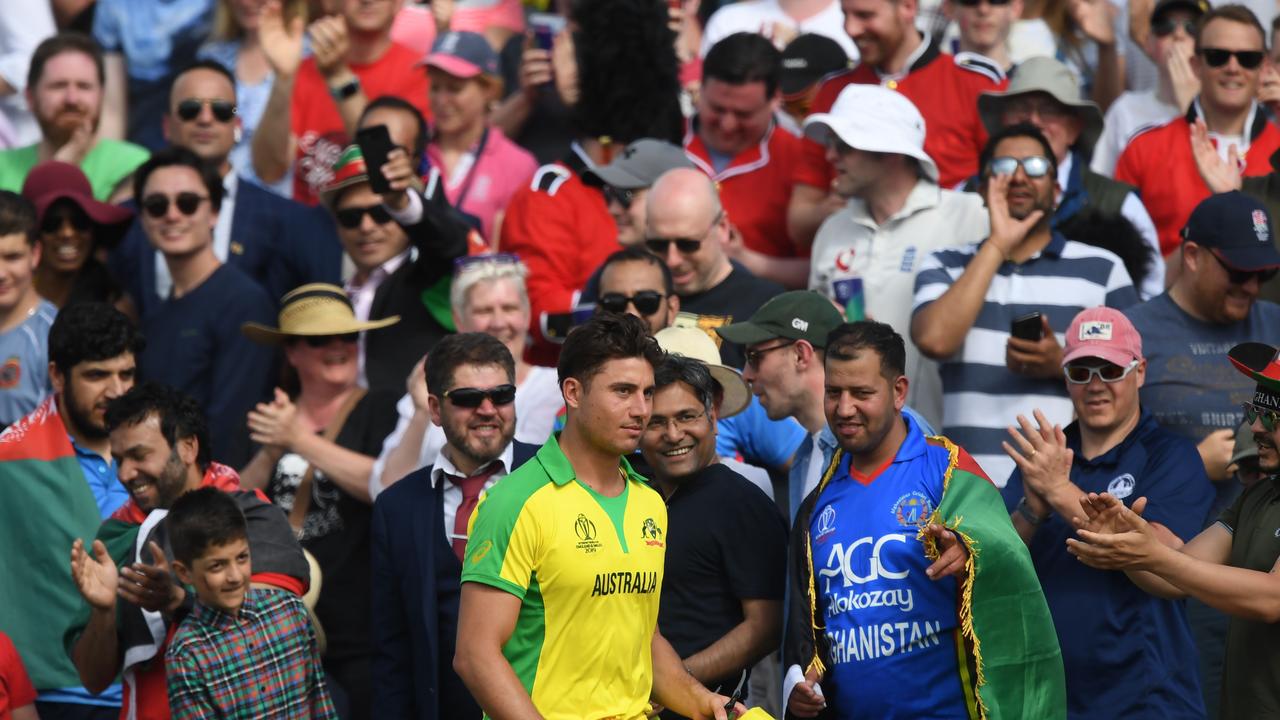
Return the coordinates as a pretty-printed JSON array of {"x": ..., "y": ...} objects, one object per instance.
[{"x": 259, "y": 663}]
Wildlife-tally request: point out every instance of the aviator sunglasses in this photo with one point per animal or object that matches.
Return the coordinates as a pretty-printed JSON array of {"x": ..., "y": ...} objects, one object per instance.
[
  {"x": 468, "y": 397},
  {"x": 189, "y": 109},
  {"x": 1270, "y": 418},
  {"x": 1036, "y": 166}
]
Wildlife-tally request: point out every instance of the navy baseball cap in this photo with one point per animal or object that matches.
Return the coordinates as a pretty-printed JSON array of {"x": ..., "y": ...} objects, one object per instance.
[
  {"x": 463, "y": 54},
  {"x": 1237, "y": 227}
]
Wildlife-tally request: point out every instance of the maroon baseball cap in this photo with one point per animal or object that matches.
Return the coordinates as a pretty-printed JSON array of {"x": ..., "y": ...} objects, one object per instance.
[
  {"x": 1102, "y": 332},
  {"x": 54, "y": 180}
]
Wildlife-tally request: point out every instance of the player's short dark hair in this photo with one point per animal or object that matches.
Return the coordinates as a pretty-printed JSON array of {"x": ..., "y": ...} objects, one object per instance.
[
  {"x": 179, "y": 415},
  {"x": 67, "y": 41},
  {"x": 691, "y": 372},
  {"x": 601, "y": 339},
  {"x": 17, "y": 216},
  {"x": 202, "y": 519},
  {"x": 211, "y": 66},
  {"x": 743, "y": 58},
  {"x": 460, "y": 349},
  {"x": 1235, "y": 13},
  {"x": 1022, "y": 129},
  {"x": 395, "y": 102},
  {"x": 844, "y": 343},
  {"x": 91, "y": 331},
  {"x": 179, "y": 156},
  {"x": 638, "y": 254}
]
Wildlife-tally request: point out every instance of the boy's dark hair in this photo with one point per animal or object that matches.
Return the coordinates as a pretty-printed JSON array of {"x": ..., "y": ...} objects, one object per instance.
[
  {"x": 394, "y": 102},
  {"x": 17, "y": 216},
  {"x": 68, "y": 41},
  {"x": 1022, "y": 129},
  {"x": 691, "y": 372},
  {"x": 846, "y": 340},
  {"x": 1235, "y": 13},
  {"x": 601, "y": 339},
  {"x": 91, "y": 331},
  {"x": 743, "y": 58},
  {"x": 201, "y": 519},
  {"x": 178, "y": 156},
  {"x": 210, "y": 65},
  {"x": 179, "y": 415},
  {"x": 473, "y": 348},
  {"x": 638, "y": 254}
]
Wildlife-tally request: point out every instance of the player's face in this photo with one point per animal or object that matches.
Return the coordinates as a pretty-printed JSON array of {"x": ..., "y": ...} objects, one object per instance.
[
  {"x": 861, "y": 404},
  {"x": 1102, "y": 406},
  {"x": 680, "y": 438},
  {"x": 878, "y": 27},
  {"x": 612, "y": 407},
  {"x": 732, "y": 118},
  {"x": 479, "y": 433},
  {"x": 154, "y": 473},
  {"x": 220, "y": 575}
]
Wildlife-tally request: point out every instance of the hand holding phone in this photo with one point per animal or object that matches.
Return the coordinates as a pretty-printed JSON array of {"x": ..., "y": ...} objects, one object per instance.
[
  {"x": 1027, "y": 327},
  {"x": 375, "y": 145}
]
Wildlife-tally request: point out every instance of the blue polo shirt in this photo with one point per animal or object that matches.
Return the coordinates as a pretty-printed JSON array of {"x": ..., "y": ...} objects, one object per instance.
[
  {"x": 100, "y": 475},
  {"x": 1127, "y": 654}
]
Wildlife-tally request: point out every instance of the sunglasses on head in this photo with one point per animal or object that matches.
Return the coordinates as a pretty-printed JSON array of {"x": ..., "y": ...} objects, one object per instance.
[
  {"x": 1217, "y": 57},
  {"x": 319, "y": 341},
  {"x": 157, "y": 205},
  {"x": 189, "y": 109},
  {"x": 1270, "y": 418},
  {"x": 1164, "y": 27},
  {"x": 467, "y": 397},
  {"x": 646, "y": 302},
  {"x": 1240, "y": 277},
  {"x": 350, "y": 218},
  {"x": 620, "y": 196},
  {"x": 53, "y": 221},
  {"x": 1036, "y": 166},
  {"x": 1108, "y": 373}
]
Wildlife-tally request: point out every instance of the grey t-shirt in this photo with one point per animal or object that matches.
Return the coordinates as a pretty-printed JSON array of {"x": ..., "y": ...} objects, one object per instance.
[{"x": 24, "y": 364}]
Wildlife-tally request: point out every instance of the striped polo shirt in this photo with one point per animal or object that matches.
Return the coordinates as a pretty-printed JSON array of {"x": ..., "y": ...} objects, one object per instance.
[{"x": 981, "y": 397}]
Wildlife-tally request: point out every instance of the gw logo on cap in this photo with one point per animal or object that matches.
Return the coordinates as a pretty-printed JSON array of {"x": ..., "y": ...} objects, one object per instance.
[
  {"x": 801, "y": 325},
  {"x": 1095, "y": 330}
]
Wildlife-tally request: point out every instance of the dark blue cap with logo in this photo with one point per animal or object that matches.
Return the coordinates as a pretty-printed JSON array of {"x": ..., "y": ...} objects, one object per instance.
[
  {"x": 1237, "y": 228},
  {"x": 463, "y": 54}
]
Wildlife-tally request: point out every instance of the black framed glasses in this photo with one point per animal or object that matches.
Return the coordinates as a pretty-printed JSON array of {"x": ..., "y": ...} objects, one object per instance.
[
  {"x": 1164, "y": 27},
  {"x": 753, "y": 356},
  {"x": 65, "y": 214},
  {"x": 686, "y": 246},
  {"x": 619, "y": 195},
  {"x": 319, "y": 341},
  {"x": 1235, "y": 276},
  {"x": 646, "y": 302},
  {"x": 350, "y": 218},
  {"x": 157, "y": 205},
  {"x": 189, "y": 109},
  {"x": 469, "y": 397},
  {"x": 1270, "y": 418},
  {"x": 1108, "y": 373},
  {"x": 1035, "y": 166},
  {"x": 1217, "y": 57}
]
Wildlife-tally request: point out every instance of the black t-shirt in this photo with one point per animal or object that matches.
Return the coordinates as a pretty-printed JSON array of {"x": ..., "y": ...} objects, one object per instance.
[
  {"x": 735, "y": 299},
  {"x": 336, "y": 527},
  {"x": 726, "y": 542}
]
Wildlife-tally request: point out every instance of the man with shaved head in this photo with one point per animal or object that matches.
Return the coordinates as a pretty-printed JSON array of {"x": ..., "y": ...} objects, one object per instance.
[{"x": 688, "y": 228}]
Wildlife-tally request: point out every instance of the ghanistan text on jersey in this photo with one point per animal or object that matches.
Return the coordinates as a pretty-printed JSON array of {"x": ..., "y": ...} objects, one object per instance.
[{"x": 878, "y": 641}]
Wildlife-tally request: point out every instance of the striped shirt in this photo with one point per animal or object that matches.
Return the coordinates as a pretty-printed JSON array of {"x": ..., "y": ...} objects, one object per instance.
[{"x": 981, "y": 397}]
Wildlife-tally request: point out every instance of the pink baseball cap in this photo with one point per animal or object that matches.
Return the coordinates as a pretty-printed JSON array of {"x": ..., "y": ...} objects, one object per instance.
[{"x": 1103, "y": 332}]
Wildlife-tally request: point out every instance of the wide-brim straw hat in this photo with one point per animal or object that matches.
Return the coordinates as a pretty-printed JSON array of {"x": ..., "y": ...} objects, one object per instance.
[
  {"x": 316, "y": 309},
  {"x": 695, "y": 344}
]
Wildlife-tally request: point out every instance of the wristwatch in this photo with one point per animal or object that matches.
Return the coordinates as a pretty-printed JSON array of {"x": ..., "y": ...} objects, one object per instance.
[
  {"x": 346, "y": 90},
  {"x": 1025, "y": 511}
]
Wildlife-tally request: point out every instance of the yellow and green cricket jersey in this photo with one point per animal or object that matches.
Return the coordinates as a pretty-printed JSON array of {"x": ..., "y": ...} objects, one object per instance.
[{"x": 588, "y": 570}]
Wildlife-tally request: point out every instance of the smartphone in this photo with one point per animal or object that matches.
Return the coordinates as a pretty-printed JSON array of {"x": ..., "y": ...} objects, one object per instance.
[
  {"x": 375, "y": 145},
  {"x": 1027, "y": 327},
  {"x": 545, "y": 26}
]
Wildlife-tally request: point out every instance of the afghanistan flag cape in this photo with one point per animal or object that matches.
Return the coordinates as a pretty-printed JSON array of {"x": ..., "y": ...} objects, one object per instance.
[{"x": 1005, "y": 621}]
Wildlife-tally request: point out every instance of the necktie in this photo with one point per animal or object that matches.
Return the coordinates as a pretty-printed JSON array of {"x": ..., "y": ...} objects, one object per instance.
[{"x": 471, "y": 488}]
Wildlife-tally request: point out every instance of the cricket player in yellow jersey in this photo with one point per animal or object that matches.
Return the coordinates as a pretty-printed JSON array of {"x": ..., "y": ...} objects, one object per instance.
[{"x": 563, "y": 567}]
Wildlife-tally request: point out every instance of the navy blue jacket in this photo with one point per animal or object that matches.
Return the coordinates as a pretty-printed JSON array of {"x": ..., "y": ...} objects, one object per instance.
[{"x": 415, "y": 602}]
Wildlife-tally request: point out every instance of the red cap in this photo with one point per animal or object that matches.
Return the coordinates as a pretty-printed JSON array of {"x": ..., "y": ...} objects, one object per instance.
[
  {"x": 53, "y": 180},
  {"x": 1103, "y": 332}
]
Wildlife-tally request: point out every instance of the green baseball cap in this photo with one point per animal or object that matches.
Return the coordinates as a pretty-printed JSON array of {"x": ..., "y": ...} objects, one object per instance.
[{"x": 798, "y": 315}]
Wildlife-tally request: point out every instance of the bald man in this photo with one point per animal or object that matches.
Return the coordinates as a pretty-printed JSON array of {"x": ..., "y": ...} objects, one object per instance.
[{"x": 688, "y": 228}]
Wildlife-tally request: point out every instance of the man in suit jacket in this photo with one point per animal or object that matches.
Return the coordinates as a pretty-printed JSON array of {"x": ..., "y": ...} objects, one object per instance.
[
  {"x": 420, "y": 528},
  {"x": 279, "y": 243}
]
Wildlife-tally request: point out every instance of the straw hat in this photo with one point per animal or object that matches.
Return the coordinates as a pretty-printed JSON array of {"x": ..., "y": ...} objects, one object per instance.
[
  {"x": 697, "y": 345},
  {"x": 311, "y": 310}
]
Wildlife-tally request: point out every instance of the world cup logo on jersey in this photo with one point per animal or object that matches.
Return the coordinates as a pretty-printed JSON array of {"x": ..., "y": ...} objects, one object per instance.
[{"x": 826, "y": 524}]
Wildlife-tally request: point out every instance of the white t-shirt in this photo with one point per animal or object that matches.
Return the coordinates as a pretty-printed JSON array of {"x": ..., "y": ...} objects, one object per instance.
[
  {"x": 759, "y": 16},
  {"x": 1131, "y": 112}
]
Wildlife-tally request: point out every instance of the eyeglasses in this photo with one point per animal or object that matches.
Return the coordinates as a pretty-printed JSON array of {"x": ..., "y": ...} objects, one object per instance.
[
  {"x": 646, "y": 302},
  {"x": 467, "y": 397},
  {"x": 1109, "y": 373},
  {"x": 157, "y": 205},
  {"x": 53, "y": 221},
  {"x": 350, "y": 218},
  {"x": 683, "y": 421},
  {"x": 1240, "y": 277},
  {"x": 319, "y": 341},
  {"x": 619, "y": 195},
  {"x": 1270, "y": 418},
  {"x": 686, "y": 246},
  {"x": 753, "y": 356},
  {"x": 1036, "y": 166},
  {"x": 189, "y": 109},
  {"x": 1217, "y": 57},
  {"x": 1165, "y": 27}
]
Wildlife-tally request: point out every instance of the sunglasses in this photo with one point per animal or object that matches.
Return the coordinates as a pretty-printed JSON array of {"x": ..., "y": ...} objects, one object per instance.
[
  {"x": 646, "y": 302},
  {"x": 1036, "y": 166},
  {"x": 1240, "y": 277},
  {"x": 1217, "y": 57},
  {"x": 1270, "y": 418},
  {"x": 54, "y": 221},
  {"x": 467, "y": 397},
  {"x": 686, "y": 246},
  {"x": 157, "y": 205},
  {"x": 189, "y": 109},
  {"x": 1165, "y": 27},
  {"x": 1109, "y": 373},
  {"x": 350, "y": 218},
  {"x": 618, "y": 195},
  {"x": 319, "y": 341},
  {"x": 753, "y": 356}
]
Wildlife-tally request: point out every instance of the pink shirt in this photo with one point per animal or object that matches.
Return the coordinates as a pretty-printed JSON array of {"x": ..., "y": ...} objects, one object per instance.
[{"x": 485, "y": 183}]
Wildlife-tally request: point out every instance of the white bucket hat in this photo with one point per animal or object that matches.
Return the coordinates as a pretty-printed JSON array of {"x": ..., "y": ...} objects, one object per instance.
[{"x": 874, "y": 119}]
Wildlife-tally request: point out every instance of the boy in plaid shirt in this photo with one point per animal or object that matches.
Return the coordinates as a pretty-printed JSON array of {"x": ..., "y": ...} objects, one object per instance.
[{"x": 242, "y": 652}]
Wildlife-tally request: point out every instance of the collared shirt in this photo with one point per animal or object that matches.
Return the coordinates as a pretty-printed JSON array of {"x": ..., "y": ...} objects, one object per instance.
[
  {"x": 100, "y": 475},
  {"x": 362, "y": 295},
  {"x": 261, "y": 662},
  {"x": 850, "y": 244},
  {"x": 588, "y": 571},
  {"x": 221, "y": 235},
  {"x": 811, "y": 458},
  {"x": 451, "y": 494}
]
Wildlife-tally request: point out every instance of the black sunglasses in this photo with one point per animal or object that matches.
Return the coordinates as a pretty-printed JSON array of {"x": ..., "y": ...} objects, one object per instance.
[
  {"x": 1248, "y": 59},
  {"x": 659, "y": 246},
  {"x": 646, "y": 302},
  {"x": 157, "y": 205},
  {"x": 467, "y": 397},
  {"x": 1164, "y": 27},
  {"x": 351, "y": 217},
  {"x": 753, "y": 356},
  {"x": 54, "y": 220},
  {"x": 189, "y": 109},
  {"x": 319, "y": 341},
  {"x": 622, "y": 197},
  {"x": 1035, "y": 166},
  {"x": 1240, "y": 277}
]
